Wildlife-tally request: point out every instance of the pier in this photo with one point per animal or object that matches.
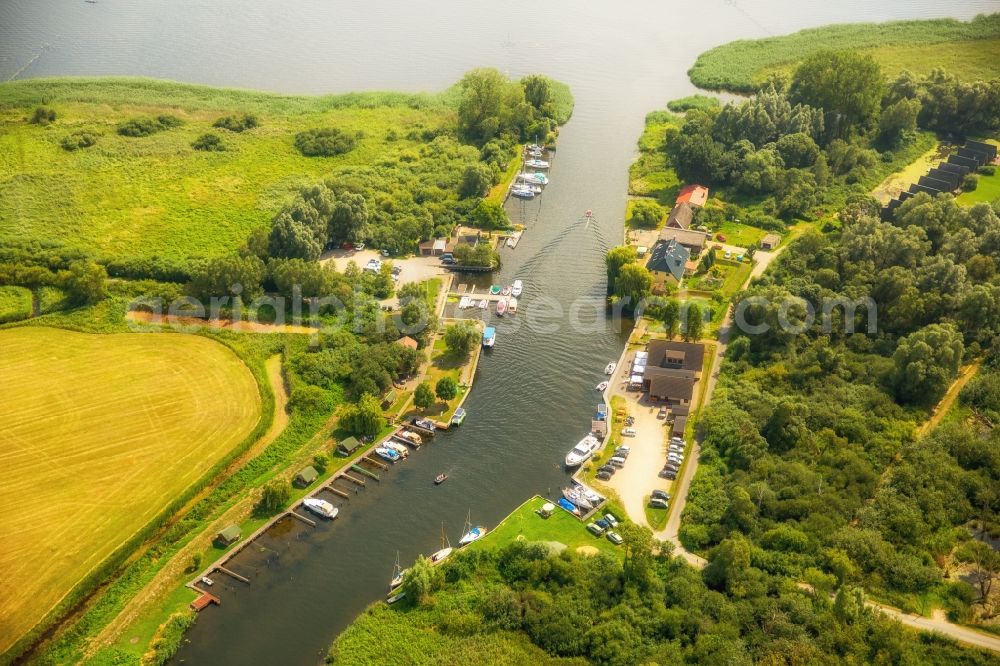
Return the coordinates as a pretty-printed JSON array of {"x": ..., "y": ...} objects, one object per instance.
[{"x": 233, "y": 574}]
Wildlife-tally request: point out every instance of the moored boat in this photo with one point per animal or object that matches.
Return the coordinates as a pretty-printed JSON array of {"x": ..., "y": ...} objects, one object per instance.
[
  {"x": 495, "y": 289},
  {"x": 398, "y": 573},
  {"x": 471, "y": 533},
  {"x": 602, "y": 386},
  {"x": 512, "y": 305},
  {"x": 396, "y": 597},
  {"x": 458, "y": 417},
  {"x": 536, "y": 163},
  {"x": 574, "y": 496},
  {"x": 582, "y": 451},
  {"x": 501, "y": 307},
  {"x": 440, "y": 478},
  {"x": 321, "y": 507},
  {"x": 483, "y": 304},
  {"x": 398, "y": 448},
  {"x": 410, "y": 436},
  {"x": 507, "y": 290},
  {"x": 516, "y": 288},
  {"x": 489, "y": 337},
  {"x": 609, "y": 369},
  {"x": 387, "y": 453},
  {"x": 569, "y": 506},
  {"x": 442, "y": 554},
  {"x": 522, "y": 193}
]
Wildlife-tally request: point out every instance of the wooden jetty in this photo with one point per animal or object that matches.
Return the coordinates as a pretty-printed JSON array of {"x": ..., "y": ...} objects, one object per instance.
[
  {"x": 373, "y": 460},
  {"x": 204, "y": 601},
  {"x": 233, "y": 574},
  {"x": 353, "y": 479},
  {"x": 337, "y": 491},
  {"x": 307, "y": 521},
  {"x": 361, "y": 470}
]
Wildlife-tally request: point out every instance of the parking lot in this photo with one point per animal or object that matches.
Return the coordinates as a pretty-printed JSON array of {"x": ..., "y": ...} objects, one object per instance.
[{"x": 415, "y": 269}]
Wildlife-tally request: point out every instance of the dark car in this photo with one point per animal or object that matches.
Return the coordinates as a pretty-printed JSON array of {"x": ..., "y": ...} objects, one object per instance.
[
  {"x": 603, "y": 524},
  {"x": 662, "y": 494},
  {"x": 610, "y": 469},
  {"x": 668, "y": 475},
  {"x": 603, "y": 476},
  {"x": 658, "y": 503}
]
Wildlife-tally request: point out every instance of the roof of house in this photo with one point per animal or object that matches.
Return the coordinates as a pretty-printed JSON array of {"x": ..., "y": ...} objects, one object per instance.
[
  {"x": 686, "y": 237},
  {"x": 349, "y": 444},
  {"x": 669, "y": 257},
  {"x": 694, "y": 353},
  {"x": 307, "y": 474},
  {"x": 680, "y": 410},
  {"x": 771, "y": 239},
  {"x": 681, "y": 215},
  {"x": 672, "y": 386},
  {"x": 988, "y": 148},
  {"x": 409, "y": 342},
  {"x": 694, "y": 194},
  {"x": 230, "y": 533},
  {"x": 679, "y": 423}
]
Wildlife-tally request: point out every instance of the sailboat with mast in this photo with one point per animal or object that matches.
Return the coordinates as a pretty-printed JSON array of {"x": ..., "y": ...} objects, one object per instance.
[
  {"x": 470, "y": 533},
  {"x": 446, "y": 549},
  {"x": 397, "y": 574}
]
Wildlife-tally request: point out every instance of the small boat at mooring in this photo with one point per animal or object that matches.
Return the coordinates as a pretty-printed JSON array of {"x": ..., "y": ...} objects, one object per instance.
[
  {"x": 489, "y": 337},
  {"x": 507, "y": 290},
  {"x": 522, "y": 193},
  {"x": 446, "y": 550},
  {"x": 394, "y": 598},
  {"x": 516, "y": 288},
  {"x": 458, "y": 417},
  {"x": 483, "y": 304},
  {"x": 398, "y": 448},
  {"x": 398, "y": 573},
  {"x": 440, "y": 478},
  {"x": 602, "y": 386},
  {"x": 582, "y": 451},
  {"x": 609, "y": 369},
  {"x": 495, "y": 289},
  {"x": 569, "y": 506},
  {"x": 537, "y": 164},
  {"x": 577, "y": 498},
  {"x": 512, "y": 305},
  {"x": 471, "y": 533},
  {"x": 387, "y": 453},
  {"x": 321, "y": 507},
  {"x": 501, "y": 307}
]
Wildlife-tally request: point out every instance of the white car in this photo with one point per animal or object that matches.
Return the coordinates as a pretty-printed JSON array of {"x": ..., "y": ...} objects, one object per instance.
[
  {"x": 373, "y": 265},
  {"x": 628, "y": 432}
]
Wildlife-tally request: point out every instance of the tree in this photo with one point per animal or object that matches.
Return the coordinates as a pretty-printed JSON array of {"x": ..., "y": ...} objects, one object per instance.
[
  {"x": 365, "y": 417},
  {"x": 196, "y": 560},
  {"x": 489, "y": 214},
  {"x": 43, "y": 115},
  {"x": 694, "y": 324},
  {"x": 447, "y": 388},
  {"x": 274, "y": 497},
  {"x": 292, "y": 239},
  {"x": 421, "y": 580},
  {"x": 349, "y": 217},
  {"x": 671, "y": 318},
  {"x": 637, "y": 541},
  {"x": 84, "y": 282},
  {"x": 321, "y": 461},
  {"x": 633, "y": 284},
  {"x": 847, "y": 85},
  {"x": 461, "y": 338},
  {"x": 797, "y": 150},
  {"x": 646, "y": 213},
  {"x": 423, "y": 397},
  {"x": 325, "y": 142},
  {"x": 615, "y": 259},
  {"x": 237, "y": 123},
  {"x": 538, "y": 92},
  {"x": 225, "y": 276},
  {"x": 477, "y": 179},
  {"x": 925, "y": 363},
  {"x": 897, "y": 121},
  {"x": 728, "y": 565},
  {"x": 490, "y": 105}
]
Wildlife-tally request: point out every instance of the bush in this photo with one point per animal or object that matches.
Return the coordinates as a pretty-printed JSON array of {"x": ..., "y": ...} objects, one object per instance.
[
  {"x": 274, "y": 497},
  {"x": 970, "y": 182},
  {"x": 138, "y": 127},
  {"x": 326, "y": 142},
  {"x": 237, "y": 123},
  {"x": 692, "y": 102},
  {"x": 43, "y": 116},
  {"x": 646, "y": 213},
  {"x": 987, "y": 170},
  {"x": 78, "y": 140},
  {"x": 208, "y": 142}
]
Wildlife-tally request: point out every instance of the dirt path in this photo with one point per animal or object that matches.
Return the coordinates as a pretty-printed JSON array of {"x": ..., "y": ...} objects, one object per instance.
[
  {"x": 167, "y": 578},
  {"x": 939, "y": 624},
  {"x": 944, "y": 406},
  {"x": 241, "y": 326}
]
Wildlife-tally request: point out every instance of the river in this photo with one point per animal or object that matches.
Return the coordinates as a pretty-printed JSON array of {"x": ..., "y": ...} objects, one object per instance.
[{"x": 534, "y": 392}]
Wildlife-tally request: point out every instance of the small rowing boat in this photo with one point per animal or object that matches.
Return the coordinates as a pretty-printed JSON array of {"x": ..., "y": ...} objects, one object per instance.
[
  {"x": 501, "y": 307},
  {"x": 602, "y": 386},
  {"x": 440, "y": 478}
]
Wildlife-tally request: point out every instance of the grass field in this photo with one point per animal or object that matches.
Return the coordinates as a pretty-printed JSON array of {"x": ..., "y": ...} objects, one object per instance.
[
  {"x": 988, "y": 191},
  {"x": 525, "y": 523},
  {"x": 156, "y": 195},
  {"x": 969, "y": 50},
  {"x": 100, "y": 434},
  {"x": 15, "y": 303}
]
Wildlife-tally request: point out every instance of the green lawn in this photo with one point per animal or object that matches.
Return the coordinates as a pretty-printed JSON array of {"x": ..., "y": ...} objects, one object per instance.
[
  {"x": 649, "y": 175},
  {"x": 525, "y": 523},
  {"x": 988, "y": 191},
  {"x": 15, "y": 303},
  {"x": 657, "y": 518},
  {"x": 740, "y": 234}
]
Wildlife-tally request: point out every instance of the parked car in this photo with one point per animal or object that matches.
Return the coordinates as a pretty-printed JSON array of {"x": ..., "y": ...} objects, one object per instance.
[
  {"x": 595, "y": 529},
  {"x": 611, "y": 519},
  {"x": 359, "y": 246},
  {"x": 628, "y": 432},
  {"x": 672, "y": 467},
  {"x": 603, "y": 476},
  {"x": 373, "y": 265},
  {"x": 617, "y": 461},
  {"x": 662, "y": 414},
  {"x": 385, "y": 253},
  {"x": 396, "y": 270},
  {"x": 447, "y": 256},
  {"x": 661, "y": 494},
  {"x": 610, "y": 469},
  {"x": 668, "y": 475},
  {"x": 624, "y": 450},
  {"x": 614, "y": 538},
  {"x": 676, "y": 440},
  {"x": 449, "y": 261},
  {"x": 603, "y": 523},
  {"x": 658, "y": 503}
]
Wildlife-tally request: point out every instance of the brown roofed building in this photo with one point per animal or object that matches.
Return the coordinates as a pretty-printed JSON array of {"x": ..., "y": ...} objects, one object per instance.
[
  {"x": 681, "y": 216},
  {"x": 672, "y": 370},
  {"x": 694, "y": 241},
  {"x": 408, "y": 342}
]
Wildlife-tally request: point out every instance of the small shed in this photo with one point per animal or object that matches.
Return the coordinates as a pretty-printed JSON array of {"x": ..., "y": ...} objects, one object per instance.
[
  {"x": 305, "y": 476},
  {"x": 547, "y": 509},
  {"x": 408, "y": 342},
  {"x": 389, "y": 398},
  {"x": 348, "y": 446},
  {"x": 228, "y": 535},
  {"x": 641, "y": 251},
  {"x": 770, "y": 241}
]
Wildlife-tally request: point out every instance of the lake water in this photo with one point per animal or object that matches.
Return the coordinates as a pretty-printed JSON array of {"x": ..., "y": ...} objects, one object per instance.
[{"x": 534, "y": 393}]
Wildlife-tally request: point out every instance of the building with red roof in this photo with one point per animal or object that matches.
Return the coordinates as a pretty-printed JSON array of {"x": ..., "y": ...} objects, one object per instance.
[{"x": 696, "y": 195}]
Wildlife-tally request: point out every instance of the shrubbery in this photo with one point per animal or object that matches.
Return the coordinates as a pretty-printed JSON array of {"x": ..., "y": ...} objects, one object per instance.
[
  {"x": 209, "y": 142},
  {"x": 237, "y": 123},
  {"x": 138, "y": 127},
  {"x": 43, "y": 115},
  {"x": 78, "y": 140},
  {"x": 325, "y": 142}
]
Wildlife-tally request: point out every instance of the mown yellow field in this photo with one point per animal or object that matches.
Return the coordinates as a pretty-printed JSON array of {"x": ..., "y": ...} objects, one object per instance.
[{"x": 97, "y": 434}]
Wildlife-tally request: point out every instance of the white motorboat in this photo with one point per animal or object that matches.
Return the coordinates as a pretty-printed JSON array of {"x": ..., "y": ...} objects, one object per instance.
[
  {"x": 442, "y": 554},
  {"x": 609, "y": 369},
  {"x": 522, "y": 193},
  {"x": 582, "y": 451},
  {"x": 516, "y": 288},
  {"x": 501, "y": 307},
  {"x": 537, "y": 163},
  {"x": 398, "y": 573},
  {"x": 512, "y": 305},
  {"x": 602, "y": 386},
  {"x": 464, "y": 303},
  {"x": 321, "y": 507},
  {"x": 411, "y": 436},
  {"x": 398, "y": 448},
  {"x": 386, "y": 453},
  {"x": 483, "y": 304},
  {"x": 533, "y": 178},
  {"x": 576, "y": 497}
]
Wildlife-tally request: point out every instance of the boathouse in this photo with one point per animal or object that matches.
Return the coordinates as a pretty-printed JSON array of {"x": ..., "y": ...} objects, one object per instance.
[
  {"x": 228, "y": 535},
  {"x": 305, "y": 476},
  {"x": 348, "y": 446}
]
